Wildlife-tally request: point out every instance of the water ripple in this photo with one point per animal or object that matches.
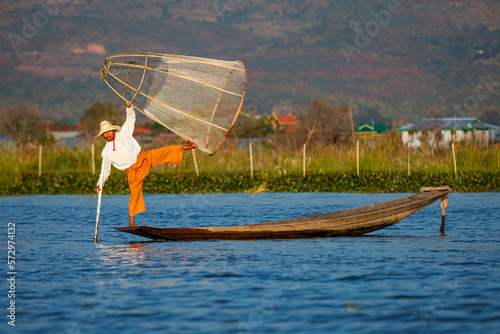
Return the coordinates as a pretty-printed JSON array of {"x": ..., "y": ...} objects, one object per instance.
[{"x": 403, "y": 279}]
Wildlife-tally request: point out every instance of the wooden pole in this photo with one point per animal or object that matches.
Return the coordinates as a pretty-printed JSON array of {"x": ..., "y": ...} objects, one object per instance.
[
  {"x": 99, "y": 195},
  {"x": 195, "y": 163},
  {"x": 251, "y": 161},
  {"x": 409, "y": 158},
  {"x": 352, "y": 126},
  {"x": 454, "y": 158},
  {"x": 444, "y": 205},
  {"x": 92, "y": 149},
  {"x": 357, "y": 157},
  {"x": 40, "y": 161},
  {"x": 304, "y": 160}
]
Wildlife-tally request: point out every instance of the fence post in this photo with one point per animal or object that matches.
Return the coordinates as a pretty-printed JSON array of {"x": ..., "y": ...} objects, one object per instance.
[
  {"x": 304, "y": 160},
  {"x": 195, "y": 163},
  {"x": 357, "y": 157},
  {"x": 409, "y": 148},
  {"x": 92, "y": 149},
  {"x": 40, "y": 161},
  {"x": 454, "y": 158},
  {"x": 251, "y": 161}
]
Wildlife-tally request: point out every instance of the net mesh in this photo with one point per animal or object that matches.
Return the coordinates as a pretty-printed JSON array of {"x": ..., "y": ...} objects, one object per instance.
[{"x": 196, "y": 98}]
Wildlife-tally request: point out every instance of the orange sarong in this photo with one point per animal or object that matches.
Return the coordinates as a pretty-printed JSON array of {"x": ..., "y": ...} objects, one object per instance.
[{"x": 138, "y": 172}]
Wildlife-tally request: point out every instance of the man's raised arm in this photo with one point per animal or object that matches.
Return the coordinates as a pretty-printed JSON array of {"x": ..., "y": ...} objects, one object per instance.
[{"x": 129, "y": 124}]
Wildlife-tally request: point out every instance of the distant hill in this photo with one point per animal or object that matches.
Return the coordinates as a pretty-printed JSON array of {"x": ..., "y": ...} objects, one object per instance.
[{"x": 390, "y": 59}]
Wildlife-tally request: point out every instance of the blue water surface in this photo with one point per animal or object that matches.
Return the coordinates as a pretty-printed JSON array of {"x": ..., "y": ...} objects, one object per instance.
[{"x": 404, "y": 279}]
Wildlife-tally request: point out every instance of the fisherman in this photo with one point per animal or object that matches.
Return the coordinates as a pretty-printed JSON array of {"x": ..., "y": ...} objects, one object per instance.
[{"x": 124, "y": 152}]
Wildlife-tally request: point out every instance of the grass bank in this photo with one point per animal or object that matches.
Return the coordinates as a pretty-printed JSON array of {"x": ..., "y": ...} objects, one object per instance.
[{"x": 382, "y": 168}]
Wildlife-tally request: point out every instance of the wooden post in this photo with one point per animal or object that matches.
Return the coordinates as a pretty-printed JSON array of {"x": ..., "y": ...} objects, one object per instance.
[
  {"x": 444, "y": 205},
  {"x": 251, "y": 161},
  {"x": 92, "y": 149},
  {"x": 195, "y": 163},
  {"x": 409, "y": 158},
  {"x": 352, "y": 126},
  {"x": 357, "y": 157},
  {"x": 304, "y": 160},
  {"x": 40, "y": 161},
  {"x": 454, "y": 158},
  {"x": 99, "y": 196}
]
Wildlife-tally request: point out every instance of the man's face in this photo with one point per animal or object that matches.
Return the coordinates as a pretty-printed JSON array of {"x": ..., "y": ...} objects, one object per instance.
[{"x": 109, "y": 135}]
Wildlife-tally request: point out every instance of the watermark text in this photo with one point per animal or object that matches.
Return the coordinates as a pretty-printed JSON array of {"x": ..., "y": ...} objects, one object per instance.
[
  {"x": 11, "y": 273},
  {"x": 31, "y": 26}
]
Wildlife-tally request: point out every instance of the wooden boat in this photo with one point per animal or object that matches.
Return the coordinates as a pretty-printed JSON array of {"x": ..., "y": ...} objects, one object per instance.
[{"x": 351, "y": 222}]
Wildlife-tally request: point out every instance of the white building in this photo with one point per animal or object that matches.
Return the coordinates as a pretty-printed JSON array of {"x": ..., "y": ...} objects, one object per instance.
[
  {"x": 443, "y": 131},
  {"x": 66, "y": 134}
]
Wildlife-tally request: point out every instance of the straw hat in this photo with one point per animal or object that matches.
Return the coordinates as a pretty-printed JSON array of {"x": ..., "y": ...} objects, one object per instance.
[{"x": 107, "y": 126}]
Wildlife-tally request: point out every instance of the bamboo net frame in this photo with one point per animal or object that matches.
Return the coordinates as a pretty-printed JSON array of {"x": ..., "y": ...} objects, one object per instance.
[{"x": 196, "y": 98}]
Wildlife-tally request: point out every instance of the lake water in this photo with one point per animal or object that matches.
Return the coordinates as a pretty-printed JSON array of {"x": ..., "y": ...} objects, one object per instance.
[{"x": 403, "y": 279}]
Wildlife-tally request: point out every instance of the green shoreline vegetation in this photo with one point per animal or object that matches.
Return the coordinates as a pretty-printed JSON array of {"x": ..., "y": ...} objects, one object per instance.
[{"x": 383, "y": 168}]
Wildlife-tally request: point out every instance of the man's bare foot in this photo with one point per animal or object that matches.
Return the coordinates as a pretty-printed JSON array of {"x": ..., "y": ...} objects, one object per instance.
[
  {"x": 190, "y": 146},
  {"x": 131, "y": 222}
]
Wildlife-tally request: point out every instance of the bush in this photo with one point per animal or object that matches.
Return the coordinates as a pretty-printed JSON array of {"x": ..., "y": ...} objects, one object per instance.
[{"x": 189, "y": 183}]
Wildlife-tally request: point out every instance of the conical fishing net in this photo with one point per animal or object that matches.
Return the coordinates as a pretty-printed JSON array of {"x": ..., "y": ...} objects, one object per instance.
[{"x": 196, "y": 98}]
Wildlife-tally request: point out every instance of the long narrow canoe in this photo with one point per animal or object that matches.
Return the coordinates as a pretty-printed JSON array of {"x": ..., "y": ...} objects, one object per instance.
[{"x": 351, "y": 222}]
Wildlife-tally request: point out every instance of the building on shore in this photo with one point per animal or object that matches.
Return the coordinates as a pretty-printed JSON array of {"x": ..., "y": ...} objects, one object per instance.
[
  {"x": 67, "y": 134},
  {"x": 288, "y": 122},
  {"x": 366, "y": 130},
  {"x": 441, "y": 132}
]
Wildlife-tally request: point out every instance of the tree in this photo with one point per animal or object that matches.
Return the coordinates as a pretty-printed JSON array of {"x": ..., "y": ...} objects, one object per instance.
[
  {"x": 96, "y": 113},
  {"x": 249, "y": 127},
  {"x": 46, "y": 138},
  {"x": 23, "y": 123},
  {"x": 323, "y": 117}
]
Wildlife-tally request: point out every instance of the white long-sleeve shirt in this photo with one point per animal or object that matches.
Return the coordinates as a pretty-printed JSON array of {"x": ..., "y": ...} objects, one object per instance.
[{"x": 121, "y": 152}]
